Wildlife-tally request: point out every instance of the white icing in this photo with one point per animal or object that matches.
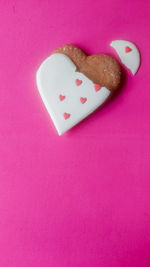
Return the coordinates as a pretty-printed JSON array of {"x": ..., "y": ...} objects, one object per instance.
[
  {"x": 56, "y": 76},
  {"x": 131, "y": 59}
]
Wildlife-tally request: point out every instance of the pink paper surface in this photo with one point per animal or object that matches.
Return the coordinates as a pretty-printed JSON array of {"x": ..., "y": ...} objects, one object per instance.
[{"x": 82, "y": 199}]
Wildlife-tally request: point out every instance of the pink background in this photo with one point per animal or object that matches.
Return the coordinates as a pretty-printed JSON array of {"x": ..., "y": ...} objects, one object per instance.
[{"x": 82, "y": 199}]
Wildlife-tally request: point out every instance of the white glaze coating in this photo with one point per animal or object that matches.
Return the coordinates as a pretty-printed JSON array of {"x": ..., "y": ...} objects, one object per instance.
[
  {"x": 130, "y": 59},
  {"x": 56, "y": 76}
]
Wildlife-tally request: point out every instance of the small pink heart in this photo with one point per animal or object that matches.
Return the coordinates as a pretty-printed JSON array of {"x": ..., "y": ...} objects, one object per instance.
[
  {"x": 83, "y": 100},
  {"x": 97, "y": 87},
  {"x": 128, "y": 49},
  {"x": 78, "y": 82},
  {"x": 66, "y": 116},
  {"x": 62, "y": 97}
]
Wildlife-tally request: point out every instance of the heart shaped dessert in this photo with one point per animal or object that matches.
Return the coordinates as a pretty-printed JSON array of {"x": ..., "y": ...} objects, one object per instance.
[{"x": 72, "y": 84}]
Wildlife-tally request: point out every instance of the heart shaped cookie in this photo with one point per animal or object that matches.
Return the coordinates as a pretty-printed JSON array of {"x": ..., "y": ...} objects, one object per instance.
[{"x": 72, "y": 84}]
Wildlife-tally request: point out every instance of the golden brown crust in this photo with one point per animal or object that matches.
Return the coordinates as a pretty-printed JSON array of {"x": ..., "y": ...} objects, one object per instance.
[{"x": 101, "y": 69}]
